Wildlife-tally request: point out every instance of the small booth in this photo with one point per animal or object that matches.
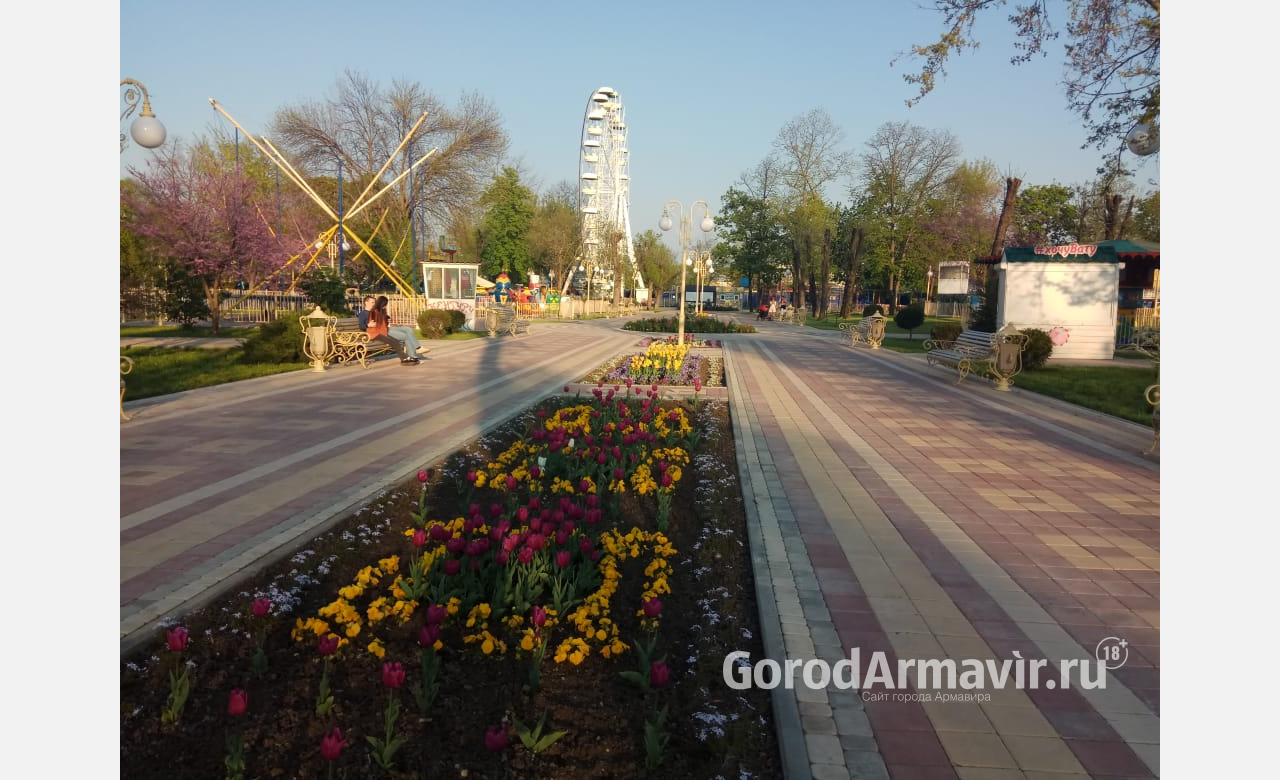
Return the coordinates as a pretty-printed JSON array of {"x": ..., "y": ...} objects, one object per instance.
[
  {"x": 1070, "y": 291},
  {"x": 450, "y": 285}
]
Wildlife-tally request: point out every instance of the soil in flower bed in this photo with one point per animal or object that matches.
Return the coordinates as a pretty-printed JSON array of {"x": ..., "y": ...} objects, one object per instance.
[{"x": 711, "y": 611}]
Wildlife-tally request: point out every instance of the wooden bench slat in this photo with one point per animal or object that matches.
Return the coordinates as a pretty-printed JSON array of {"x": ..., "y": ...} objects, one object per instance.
[{"x": 975, "y": 349}]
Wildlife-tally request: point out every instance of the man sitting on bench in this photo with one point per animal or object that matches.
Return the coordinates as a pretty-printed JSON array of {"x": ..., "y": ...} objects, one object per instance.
[{"x": 375, "y": 322}]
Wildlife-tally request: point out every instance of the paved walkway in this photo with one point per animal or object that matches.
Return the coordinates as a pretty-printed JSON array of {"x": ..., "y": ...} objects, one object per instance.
[{"x": 889, "y": 510}]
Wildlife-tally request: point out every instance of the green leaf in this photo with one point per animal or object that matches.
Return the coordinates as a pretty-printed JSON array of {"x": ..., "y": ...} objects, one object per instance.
[{"x": 548, "y": 740}]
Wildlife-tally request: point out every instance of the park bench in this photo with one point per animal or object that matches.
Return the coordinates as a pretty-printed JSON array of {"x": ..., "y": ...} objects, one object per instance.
[
  {"x": 998, "y": 354},
  {"x": 791, "y": 315},
  {"x": 350, "y": 343},
  {"x": 502, "y": 318},
  {"x": 869, "y": 330},
  {"x": 126, "y": 365}
]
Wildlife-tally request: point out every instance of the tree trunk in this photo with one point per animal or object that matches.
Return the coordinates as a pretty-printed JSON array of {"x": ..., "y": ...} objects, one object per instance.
[
  {"x": 1110, "y": 216},
  {"x": 1011, "y": 186},
  {"x": 825, "y": 295},
  {"x": 1128, "y": 214},
  {"x": 797, "y": 280},
  {"x": 211, "y": 297},
  {"x": 851, "y": 273}
]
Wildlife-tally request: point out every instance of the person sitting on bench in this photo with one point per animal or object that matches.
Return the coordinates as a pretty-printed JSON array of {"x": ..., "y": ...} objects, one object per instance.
[{"x": 374, "y": 320}]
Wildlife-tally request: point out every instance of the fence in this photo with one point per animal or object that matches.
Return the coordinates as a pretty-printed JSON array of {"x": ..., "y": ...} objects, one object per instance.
[{"x": 1126, "y": 325}]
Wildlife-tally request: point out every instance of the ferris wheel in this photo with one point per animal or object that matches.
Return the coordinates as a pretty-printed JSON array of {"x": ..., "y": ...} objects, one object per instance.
[{"x": 604, "y": 183}]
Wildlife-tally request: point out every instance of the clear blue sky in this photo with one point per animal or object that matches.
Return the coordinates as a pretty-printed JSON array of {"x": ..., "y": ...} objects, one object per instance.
[{"x": 706, "y": 86}]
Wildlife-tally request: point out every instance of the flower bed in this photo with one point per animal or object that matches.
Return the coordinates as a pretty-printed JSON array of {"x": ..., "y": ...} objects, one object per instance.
[{"x": 555, "y": 601}]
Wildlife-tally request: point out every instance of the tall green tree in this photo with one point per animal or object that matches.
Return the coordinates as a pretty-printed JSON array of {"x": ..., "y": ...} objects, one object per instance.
[
  {"x": 1146, "y": 224},
  {"x": 904, "y": 170},
  {"x": 509, "y": 211},
  {"x": 658, "y": 264},
  {"x": 755, "y": 242},
  {"x": 1045, "y": 213}
]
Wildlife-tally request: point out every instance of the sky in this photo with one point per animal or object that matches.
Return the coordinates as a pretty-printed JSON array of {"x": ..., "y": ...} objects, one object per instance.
[{"x": 706, "y": 86}]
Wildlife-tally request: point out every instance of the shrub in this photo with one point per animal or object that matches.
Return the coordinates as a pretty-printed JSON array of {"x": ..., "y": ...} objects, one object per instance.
[
  {"x": 326, "y": 289},
  {"x": 279, "y": 341},
  {"x": 457, "y": 320},
  {"x": 691, "y": 325},
  {"x": 945, "y": 331},
  {"x": 872, "y": 308},
  {"x": 1039, "y": 348},
  {"x": 436, "y": 323},
  {"x": 184, "y": 299},
  {"x": 910, "y": 317}
]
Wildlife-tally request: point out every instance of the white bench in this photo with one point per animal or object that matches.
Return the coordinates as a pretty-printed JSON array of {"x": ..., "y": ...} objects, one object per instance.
[
  {"x": 998, "y": 354},
  {"x": 869, "y": 330}
]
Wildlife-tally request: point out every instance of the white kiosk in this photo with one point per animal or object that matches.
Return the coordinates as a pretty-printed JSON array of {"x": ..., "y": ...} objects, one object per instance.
[{"x": 449, "y": 285}]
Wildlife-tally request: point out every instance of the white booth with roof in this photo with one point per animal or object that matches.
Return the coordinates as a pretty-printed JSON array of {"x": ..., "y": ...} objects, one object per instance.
[{"x": 452, "y": 286}]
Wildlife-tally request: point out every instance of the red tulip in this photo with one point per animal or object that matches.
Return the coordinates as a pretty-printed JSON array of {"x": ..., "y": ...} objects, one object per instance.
[
  {"x": 563, "y": 559},
  {"x": 652, "y": 608},
  {"x": 495, "y": 738},
  {"x": 331, "y": 745},
  {"x": 238, "y": 702},
  {"x": 419, "y": 537},
  {"x": 436, "y": 614},
  {"x": 452, "y": 566},
  {"x": 392, "y": 674},
  {"x": 512, "y": 483},
  {"x": 261, "y": 607},
  {"x": 539, "y": 617},
  {"x": 424, "y": 475},
  {"x": 666, "y": 480},
  {"x": 659, "y": 674},
  {"x": 328, "y": 645},
  {"x": 566, "y": 388},
  {"x": 178, "y": 639},
  {"x": 429, "y": 634},
  {"x": 525, "y": 555}
]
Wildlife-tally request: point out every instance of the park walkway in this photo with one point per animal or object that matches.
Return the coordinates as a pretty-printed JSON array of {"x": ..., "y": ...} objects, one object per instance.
[{"x": 889, "y": 509}]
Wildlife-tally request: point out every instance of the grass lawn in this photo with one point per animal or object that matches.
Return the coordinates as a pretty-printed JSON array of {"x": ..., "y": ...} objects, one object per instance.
[
  {"x": 1114, "y": 390},
  {"x": 161, "y": 370},
  {"x": 197, "y": 332},
  {"x": 832, "y": 322}
]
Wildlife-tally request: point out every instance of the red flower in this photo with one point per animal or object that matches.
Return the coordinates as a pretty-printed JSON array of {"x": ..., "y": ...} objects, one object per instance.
[
  {"x": 666, "y": 480},
  {"x": 659, "y": 674},
  {"x": 261, "y": 607},
  {"x": 419, "y": 537},
  {"x": 495, "y": 738},
  {"x": 539, "y": 617},
  {"x": 238, "y": 702},
  {"x": 436, "y": 614},
  {"x": 392, "y": 674},
  {"x": 429, "y": 634},
  {"x": 424, "y": 475},
  {"x": 331, "y": 745},
  {"x": 566, "y": 388},
  {"x": 652, "y": 608},
  {"x": 177, "y": 638},
  {"x": 452, "y": 566},
  {"x": 328, "y": 645},
  {"x": 563, "y": 559}
]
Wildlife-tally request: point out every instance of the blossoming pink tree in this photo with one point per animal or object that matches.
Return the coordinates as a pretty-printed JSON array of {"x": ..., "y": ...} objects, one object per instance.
[{"x": 205, "y": 212}]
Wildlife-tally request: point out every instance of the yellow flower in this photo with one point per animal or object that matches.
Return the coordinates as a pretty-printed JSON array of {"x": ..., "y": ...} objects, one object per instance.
[
  {"x": 576, "y": 657},
  {"x": 353, "y": 630},
  {"x": 486, "y": 646},
  {"x": 526, "y": 643},
  {"x": 377, "y": 649}
]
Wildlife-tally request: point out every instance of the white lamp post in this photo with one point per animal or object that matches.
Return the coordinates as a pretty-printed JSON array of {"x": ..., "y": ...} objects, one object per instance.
[
  {"x": 928, "y": 288},
  {"x": 686, "y": 229},
  {"x": 146, "y": 130}
]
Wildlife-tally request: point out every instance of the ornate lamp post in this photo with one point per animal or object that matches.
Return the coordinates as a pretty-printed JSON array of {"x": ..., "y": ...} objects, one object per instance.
[
  {"x": 702, "y": 264},
  {"x": 928, "y": 288},
  {"x": 686, "y": 229},
  {"x": 147, "y": 131}
]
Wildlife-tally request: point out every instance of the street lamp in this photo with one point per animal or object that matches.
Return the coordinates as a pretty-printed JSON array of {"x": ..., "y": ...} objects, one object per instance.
[
  {"x": 928, "y": 287},
  {"x": 686, "y": 230},
  {"x": 702, "y": 265},
  {"x": 146, "y": 129},
  {"x": 335, "y": 247}
]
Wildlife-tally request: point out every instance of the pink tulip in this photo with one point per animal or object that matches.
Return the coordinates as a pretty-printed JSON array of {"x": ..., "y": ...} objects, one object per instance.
[
  {"x": 525, "y": 555},
  {"x": 535, "y": 541},
  {"x": 178, "y": 639},
  {"x": 584, "y": 485},
  {"x": 261, "y": 607},
  {"x": 538, "y": 617},
  {"x": 652, "y": 608},
  {"x": 328, "y": 645},
  {"x": 495, "y": 737},
  {"x": 238, "y": 702},
  {"x": 455, "y": 544},
  {"x": 659, "y": 674},
  {"x": 512, "y": 483},
  {"x": 471, "y": 476},
  {"x": 666, "y": 480},
  {"x": 424, "y": 475},
  {"x": 439, "y": 533},
  {"x": 452, "y": 566},
  {"x": 392, "y": 674},
  {"x": 331, "y": 745},
  {"x": 566, "y": 388},
  {"x": 563, "y": 559},
  {"x": 419, "y": 537}
]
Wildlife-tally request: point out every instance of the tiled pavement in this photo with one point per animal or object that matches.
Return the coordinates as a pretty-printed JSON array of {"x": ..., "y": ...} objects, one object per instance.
[{"x": 889, "y": 510}]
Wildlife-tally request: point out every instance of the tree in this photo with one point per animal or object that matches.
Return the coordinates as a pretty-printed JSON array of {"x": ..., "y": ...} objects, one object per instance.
[
  {"x": 755, "y": 241},
  {"x": 555, "y": 237},
  {"x": 1146, "y": 224},
  {"x": 202, "y": 212},
  {"x": 1112, "y": 71},
  {"x": 657, "y": 263},
  {"x": 509, "y": 210},
  {"x": 362, "y": 124},
  {"x": 1045, "y": 214},
  {"x": 909, "y": 318},
  {"x": 905, "y": 169}
]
